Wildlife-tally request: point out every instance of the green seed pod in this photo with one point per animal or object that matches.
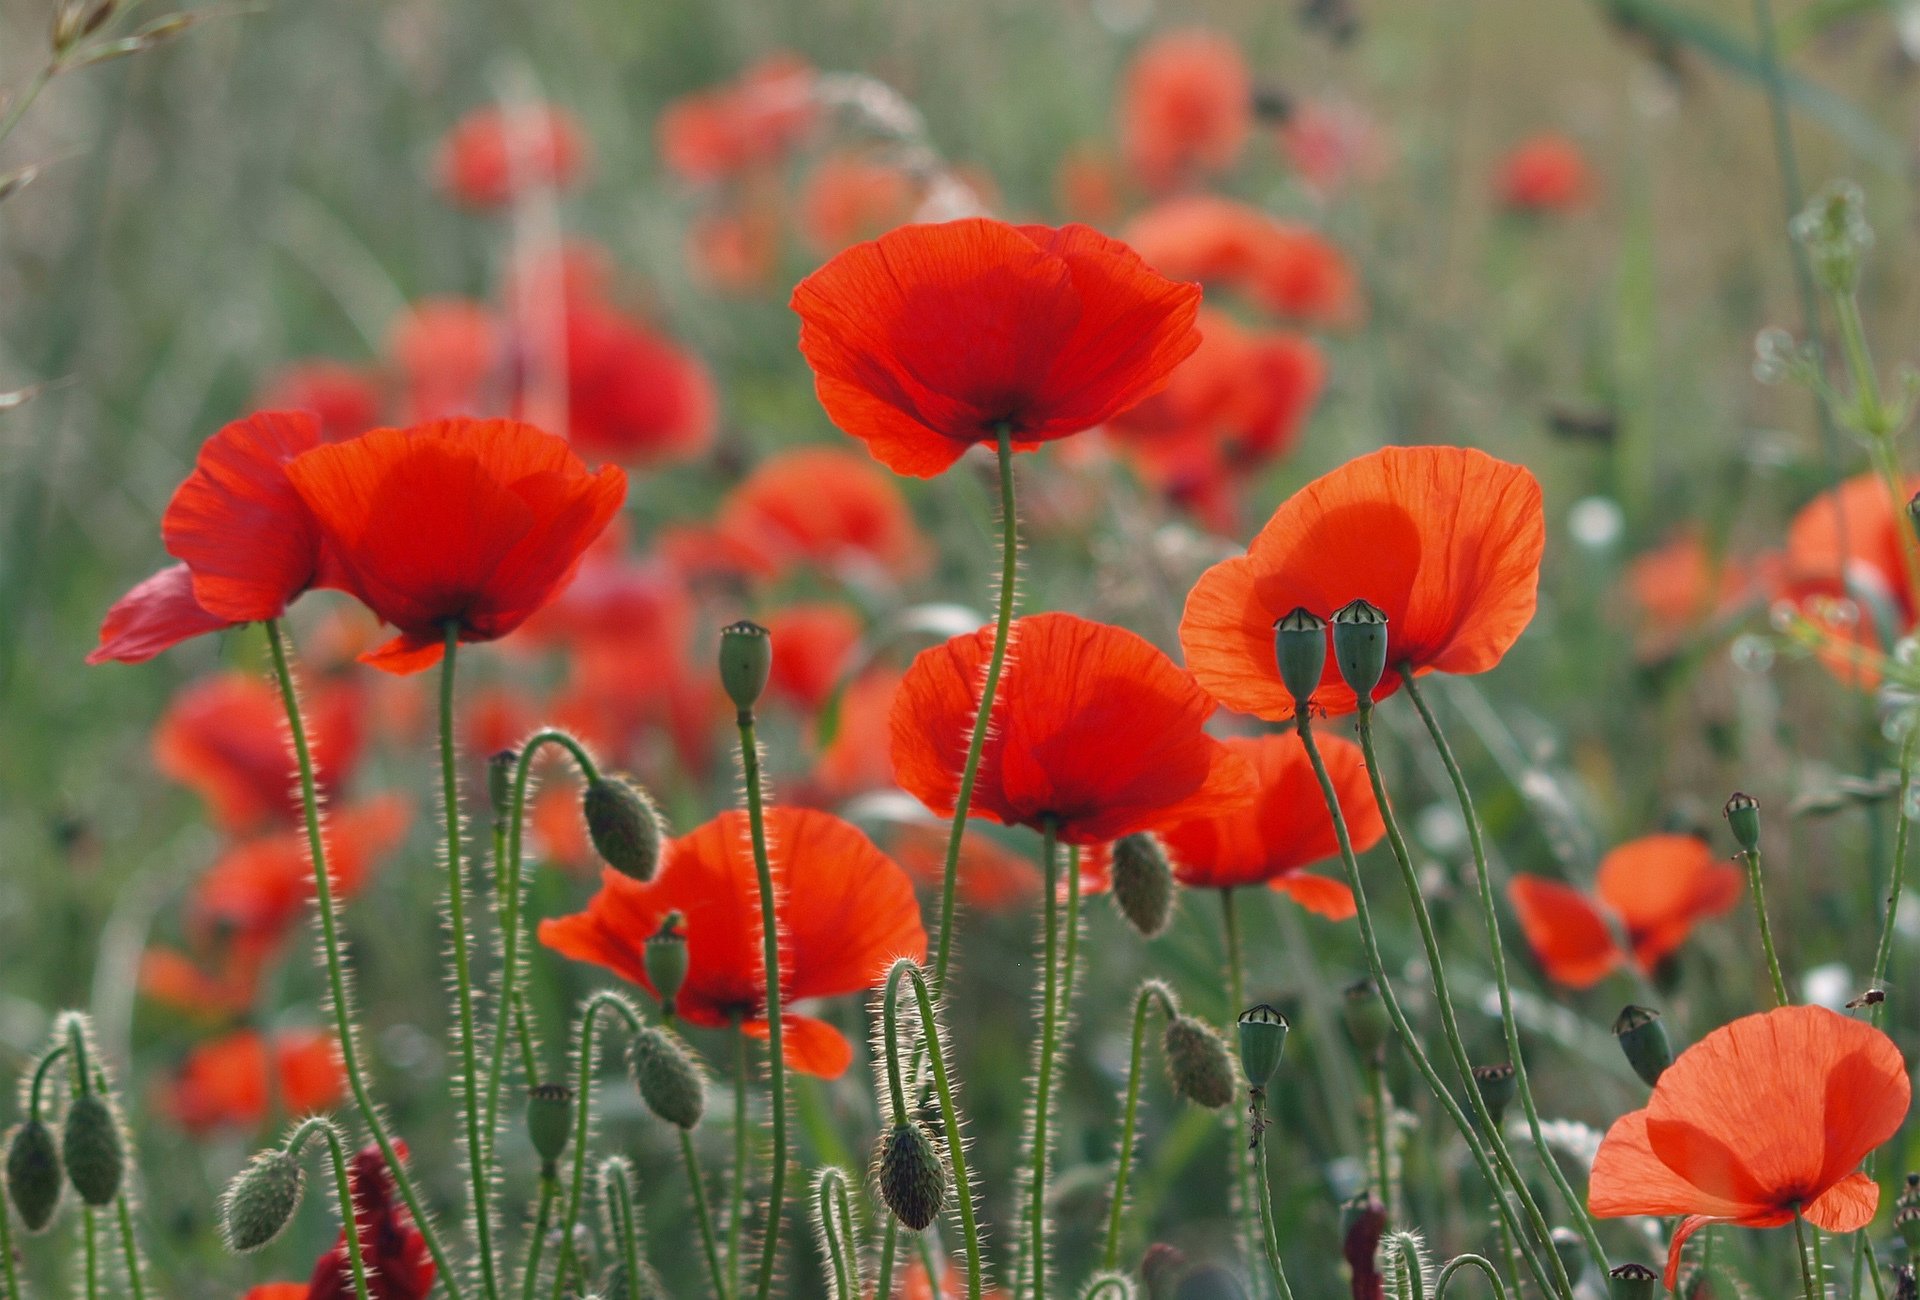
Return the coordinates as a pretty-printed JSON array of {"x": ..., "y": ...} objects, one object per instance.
[
  {"x": 1906, "y": 1222},
  {"x": 624, "y": 825},
  {"x": 1644, "y": 1039},
  {"x": 1142, "y": 883},
  {"x": 1498, "y": 1085},
  {"x": 500, "y": 771},
  {"x": 1743, "y": 819},
  {"x": 1300, "y": 647},
  {"x": 669, "y": 1081},
  {"x": 665, "y": 958},
  {"x": 33, "y": 1174},
  {"x": 549, "y": 1120},
  {"x": 1368, "y": 1024},
  {"x": 1198, "y": 1062},
  {"x": 913, "y": 1181},
  {"x": 90, "y": 1146},
  {"x": 1263, "y": 1035},
  {"x": 1633, "y": 1282},
  {"x": 746, "y": 660},
  {"x": 1360, "y": 646},
  {"x": 1910, "y": 1193},
  {"x": 261, "y": 1200}
]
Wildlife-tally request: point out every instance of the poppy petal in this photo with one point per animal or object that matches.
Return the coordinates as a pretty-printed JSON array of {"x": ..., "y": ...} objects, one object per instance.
[
  {"x": 1567, "y": 933},
  {"x": 1661, "y": 886},
  {"x": 1329, "y": 898},
  {"x": 1628, "y": 1178},
  {"x": 1847, "y": 1206},
  {"x": 810, "y": 1046},
  {"x": 158, "y": 614},
  {"x": 1681, "y": 1235}
]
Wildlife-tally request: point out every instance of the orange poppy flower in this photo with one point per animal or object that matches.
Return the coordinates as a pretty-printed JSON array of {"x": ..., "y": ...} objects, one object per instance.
[
  {"x": 1094, "y": 729},
  {"x": 345, "y": 399},
  {"x": 1680, "y": 584},
  {"x": 1187, "y": 107},
  {"x": 813, "y": 645},
  {"x": 450, "y": 354},
  {"x": 1766, "y": 1115},
  {"x": 846, "y": 911},
  {"x": 1849, "y": 579},
  {"x": 1656, "y": 889},
  {"x": 925, "y": 341},
  {"x": 849, "y": 198},
  {"x": 1286, "y": 269},
  {"x": 1445, "y": 540},
  {"x": 991, "y": 878},
  {"x": 236, "y": 1081},
  {"x": 474, "y": 522},
  {"x": 823, "y": 507},
  {"x": 493, "y": 153},
  {"x": 1545, "y": 173},
  {"x": 755, "y": 120},
  {"x": 179, "y": 982}
]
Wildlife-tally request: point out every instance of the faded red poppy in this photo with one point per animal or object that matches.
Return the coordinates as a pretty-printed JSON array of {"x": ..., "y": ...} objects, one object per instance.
[
  {"x": 493, "y": 154},
  {"x": 450, "y": 354},
  {"x": 1287, "y": 269},
  {"x": 1094, "y": 730},
  {"x": 849, "y": 198},
  {"x": 476, "y": 523},
  {"x": 1765, "y": 1116},
  {"x": 813, "y": 646},
  {"x": 821, "y": 507},
  {"x": 750, "y": 122},
  {"x": 1187, "y": 108},
  {"x": 239, "y": 1080},
  {"x": 1654, "y": 890},
  {"x": 347, "y": 400},
  {"x": 1445, "y": 540},
  {"x": 399, "y": 1266},
  {"x": 991, "y": 878},
  {"x": 1545, "y": 173},
  {"x": 1331, "y": 144},
  {"x": 846, "y": 911},
  {"x": 927, "y": 340}
]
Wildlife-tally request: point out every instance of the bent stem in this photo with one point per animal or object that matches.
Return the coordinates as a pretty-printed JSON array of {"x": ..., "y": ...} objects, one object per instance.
[
  {"x": 1043, "y": 1086},
  {"x": 1757, "y": 887},
  {"x": 1142, "y": 1003},
  {"x": 1459, "y": 1262},
  {"x": 342, "y": 1190},
  {"x": 337, "y": 987},
  {"x": 1245, "y": 1157},
  {"x": 605, "y": 999},
  {"x": 1257, "y": 1114},
  {"x": 770, "y": 952}
]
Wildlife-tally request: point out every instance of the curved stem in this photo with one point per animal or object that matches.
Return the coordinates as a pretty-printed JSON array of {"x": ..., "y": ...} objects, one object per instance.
[
  {"x": 770, "y": 955},
  {"x": 889, "y": 1241},
  {"x": 623, "y": 1221},
  {"x": 1459, "y": 1262},
  {"x": 703, "y": 1216},
  {"x": 1757, "y": 887},
  {"x": 583, "y": 1094},
  {"x": 950, "y": 1118},
  {"x": 1142, "y": 1003},
  {"x": 1245, "y": 1157},
  {"x": 1043, "y": 1087},
  {"x": 1258, "y": 1114},
  {"x": 835, "y": 1243},
  {"x": 342, "y": 1191}
]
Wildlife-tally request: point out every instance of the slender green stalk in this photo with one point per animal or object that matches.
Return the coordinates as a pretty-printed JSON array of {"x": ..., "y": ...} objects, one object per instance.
[
  {"x": 9, "y": 1269},
  {"x": 1809, "y": 1269},
  {"x": 1043, "y": 1087},
  {"x": 1257, "y": 1113},
  {"x": 1902, "y": 823},
  {"x": 996, "y": 662},
  {"x": 1507, "y": 1250},
  {"x": 523, "y": 1032},
  {"x": 342, "y": 1191},
  {"x": 91, "y": 1249},
  {"x": 605, "y": 999},
  {"x": 702, "y": 1215},
  {"x": 1757, "y": 888},
  {"x": 950, "y": 1117},
  {"x": 623, "y": 1221},
  {"x": 1496, "y": 953},
  {"x": 130, "y": 1248},
  {"x": 737, "y": 1197},
  {"x": 1245, "y": 1157},
  {"x": 889, "y": 1241},
  {"x": 836, "y": 1245},
  {"x": 1382, "y": 1156},
  {"x": 1459, "y": 1262},
  {"x": 339, "y": 992},
  {"x": 770, "y": 949},
  {"x": 536, "y": 1246},
  {"x": 1129, "y": 1112},
  {"x": 22, "y": 101}
]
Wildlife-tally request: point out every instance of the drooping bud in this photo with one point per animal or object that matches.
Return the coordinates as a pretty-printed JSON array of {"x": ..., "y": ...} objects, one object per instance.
[
  {"x": 1644, "y": 1040},
  {"x": 913, "y": 1182},
  {"x": 1368, "y": 1023},
  {"x": 1633, "y": 1282},
  {"x": 1162, "y": 1266},
  {"x": 624, "y": 825},
  {"x": 261, "y": 1200},
  {"x": 1142, "y": 883},
  {"x": 1300, "y": 646},
  {"x": 549, "y": 1121},
  {"x": 1198, "y": 1062},
  {"x": 1743, "y": 819},
  {"x": 1263, "y": 1034},
  {"x": 669, "y": 1081},
  {"x": 500, "y": 772},
  {"x": 665, "y": 958},
  {"x": 33, "y": 1174},
  {"x": 1497, "y": 1085},
  {"x": 90, "y": 1147},
  {"x": 1360, "y": 646},
  {"x": 746, "y": 660}
]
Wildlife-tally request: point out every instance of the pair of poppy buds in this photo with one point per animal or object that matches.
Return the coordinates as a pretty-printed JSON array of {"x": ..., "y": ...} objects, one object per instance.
[
  {"x": 88, "y": 1153},
  {"x": 1359, "y": 649}
]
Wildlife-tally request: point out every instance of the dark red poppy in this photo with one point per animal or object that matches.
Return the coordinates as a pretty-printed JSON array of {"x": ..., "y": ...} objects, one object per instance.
[
  {"x": 750, "y": 122},
  {"x": 1545, "y": 173},
  {"x": 825, "y": 508},
  {"x": 399, "y": 1266},
  {"x": 450, "y": 354},
  {"x": 850, "y": 197},
  {"x": 813, "y": 646},
  {"x": 1287, "y": 269},
  {"x": 347, "y": 400},
  {"x": 239, "y": 1080},
  {"x": 492, "y": 154},
  {"x": 846, "y": 911},
  {"x": 1187, "y": 108},
  {"x": 927, "y": 340}
]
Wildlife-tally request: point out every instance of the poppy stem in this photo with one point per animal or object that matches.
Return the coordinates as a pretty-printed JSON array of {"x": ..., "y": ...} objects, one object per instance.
[
  {"x": 342, "y": 1190},
  {"x": 737, "y": 1197},
  {"x": 1043, "y": 1086},
  {"x": 1883, "y": 952},
  {"x": 889, "y": 1241},
  {"x": 702, "y": 1215},
  {"x": 1757, "y": 887},
  {"x": 619, "y": 1192},
  {"x": 1812, "y": 1268},
  {"x": 338, "y": 988},
  {"x": 536, "y": 1245},
  {"x": 770, "y": 947},
  {"x": 605, "y": 999},
  {"x": 990, "y": 686},
  {"x": 1383, "y": 1161},
  {"x": 130, "y": 1248},
  {"x": 839, "y": 1234},
  {"x": 1257, "y": 1114},
  {"x": 1496, "y": 953},
  {"x": 1143, "y": 1001},
  {"x": 1245, "y": 1159},
  {"x": 91, "y": 1250},
  {"x": 9, "y": 1270},
  {"x": 1469, "y": 1260}
]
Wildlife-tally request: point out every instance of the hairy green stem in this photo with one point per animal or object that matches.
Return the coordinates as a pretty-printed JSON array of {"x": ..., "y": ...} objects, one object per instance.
[
  {"x": 737, "y": 1196},
  {"x": 537, "y": 1244},
  {"x": 605, "y": 999},
  {"x": 702, "y": 1215},
  {"x": 91, "y": 1249},
  {"x": 342, "y": 1191},
  {"x": 770, "y": 950},
  {"x": 889, "y": 1242},
  {"x": 130, "y": 1248},
  {"x": 623, "y": 1221},
  {"x": 836, "y": 1235},
  {"x": 1043, "y": 1086},
  {"x": 1459, "y": 1262},
  {"x": 949, "y": 1115},
  {"x": 1245, "y": 1158},
  {"x": 1257, "y": 1114},
  {"x": 1129, "y": 1112}
]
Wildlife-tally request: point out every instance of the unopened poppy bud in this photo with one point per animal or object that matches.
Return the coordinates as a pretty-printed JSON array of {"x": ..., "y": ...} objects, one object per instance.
[
  {"x": 549, "y": 1121},
  {"x": 90, "y": 1147},
  {"x": 1644, "y": 1040},
  {"x": 500, "y": 770},
  {"x": 1198, "y": 1062},
  {"x": 261, "y": 1200},
  {"x": 913, "y": 1182},
  {"x": 1368, "y": 1024},
  {"x": 668, "y": 1079},
  {"x": 746, "y": 659},
  {"x": 624, "y": 825},
  {"x": 1743, "y": 819},
  {"x": 1906, "y": 1222},
  {"x": 665, "y": 958},
  {"x": 1300, "y": 646},
  {"x": 1142, "y": 883},
  {"x": 33, "y": 1174},
  {"x": 1360, "y": 646},
  {"x": 1497, "y": 1085},
  {"x": 1263, "y": 1033},
  {"x": 1633, "y": 1282}
]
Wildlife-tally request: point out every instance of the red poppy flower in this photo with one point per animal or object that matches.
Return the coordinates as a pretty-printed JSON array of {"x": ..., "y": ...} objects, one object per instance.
[
  {"x": 813, "y": 645},
  {"x": 1680, "y": 584},
  {"x": 990, "y": 878},
  {"x": 492, "y": 154},
  {"x": 824, "y": 507},
  {"x": 1187, "y": 108},
  {"x": 179, "y": 982},
  {"x": 633, "y": 395},
  {"x": 1445, "y": 540},
  {"x": 1656, "y": 889},
  {"x": 846, "y": 911},
  {"x": 1287, "y": 269},
  {"x": 472, "y": 522},
  {"x": 751, "y": 122},
  {"x": 1093, "y": 729},
  {"x": 1770, "y": 1114},
  {"x": 926, "y": 340},
  {"x": 1545, "y": 173},
  {"x": 278, "y": 1291},
  {"x": 450, "y": 354},
  {"x": 855, "y": 761},
  {"x": 1845, "y": 569},
  {"x": 849, "y": 198},
  {"x": 236, "y": 1081},
  {"x": 347, "y": 400},
  {"x": 399, "y": 1266}
]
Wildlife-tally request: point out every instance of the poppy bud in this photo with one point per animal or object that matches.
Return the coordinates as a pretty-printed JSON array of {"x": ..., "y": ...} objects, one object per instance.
[
  {"x": 1633, "y": 1282},
  {"x": 1198, "y": 1062},
  {"x": 624, "y": 826},
  {"x": 1644, "y": 1039},
  {"x": 500, "y": 770},
  {"x": 1263, "y": 1033},
  {"x": 665, "y": 957},
  {"x": 90, "y": 1146},
  {"x": 1300, "y": 646},
  {"x": 669, "y": 1081},
  {"x": 913, "y": 1182},
  {"x": 260, "y": 1201},
  {"x": 1497, "y": 1085},
  {"x": 1743, "y": 819},
  {"x": 746, "y": 658},
  {"x": 1142, "y": 883},
  {"x": 33, "y": 1174},
  {"x": 549, "y": 1121},
  {"x": 1360, "y": 646},
  {"x": 1367, "y": 1021},
  {"x": 1906, "y": 1222}
]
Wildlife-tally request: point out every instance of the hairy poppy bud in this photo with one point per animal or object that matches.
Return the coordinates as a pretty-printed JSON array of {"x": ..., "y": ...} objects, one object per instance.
[
  {"x": 1360, "y": 646},
  {"x": 669, "y": 1081},
  {"x": 746, "y": 659},
  {"x": 1368, "y": 1024},
  {"x": 260, "y": 1201},
  {"x": 1644, "y": 1039},
  {"x": 1263, "y": 1033},
  {"x": 913, "y": 1182},
  {"x": 1633, "y": 1282},
  {"x": 1743, "y": 819},
  {"x": 1142, "y": 883},
  {"x": 1906, "y": 1222},
  {"x": 624, "y": 826},
  {"x": 549, "y": 1121},
  {"x": 1198, "y": 1062},
  {"x": 1497, "y": 1085},
  {"x": 1300, "y": 646},
  {"x": 500, "y": 770},
  {"x": 665, "y": 958},
  {"x": 90, "y": 1146},
  {"x": 33, "y": 1174}
]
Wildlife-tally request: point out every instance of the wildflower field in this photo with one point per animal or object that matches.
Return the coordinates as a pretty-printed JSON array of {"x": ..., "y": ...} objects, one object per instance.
[{"x": 1292, "y": 625}]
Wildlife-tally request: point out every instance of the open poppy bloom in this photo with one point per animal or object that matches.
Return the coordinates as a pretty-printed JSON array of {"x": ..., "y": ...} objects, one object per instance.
[
  {"x": 1187, "y": 109},
  {"x": 1846, "y": 571},
  {"x": 846, "y": 911},
  {"x": 1445, "y": 540},
  {"x": 849, "y": 198},
  {"x": 1765, "y": 1116},
  {"x": 492, "y": 154},
  {"x": 399, "y": 1266},
  {"x": 236, "y": 1081},
  {"x": 821, "y": 507},
  {"x": 927, "y": 340},
  {"x": 1545, "y": 173},
  {"x": 1656, "y": 889},
  {"x": 1683, "y": 583},
  {"x": 449, "y": 353},
  {"x": 813, "y": 646},
  {"x": 633, "y": 394},
  {"x": 474, "y": 523},
  {"x": 1094, "y": 730},
  {"x": 1283, "y": 267}
]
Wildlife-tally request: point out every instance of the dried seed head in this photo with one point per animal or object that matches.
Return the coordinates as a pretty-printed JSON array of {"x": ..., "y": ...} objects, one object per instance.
[
  {"x": 665, "y": 958},
  {"x": 1644, "y": 1040},
  {"x": 1300, "y": 648},
  {"x": 1497, "y": 1085},
  {"x": 1263, "y": 1034},
  {"x": 1909, "y": 1192},
  {"x": 1633, "y": 1282},
  {"x": 1360, "y": 646},
  {"x": 90, "y": 1147},
  {"x": 261, "y": 1200},
  {"x": 913, "y": 1181},
  {"x": 669, "y": 1081},
  {"x": 624, "y": 825},
  {"x": 1743, "y": 819},
  {"x": 1198, "y": 1062},
  {"x": 1906, "y": 1222},
  {"x": 1142, "y": 883},
  {"x": 746, "y": 660},
  {"x": 33, "y": 1174},
  {"x": 549, "y": 1120}
]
